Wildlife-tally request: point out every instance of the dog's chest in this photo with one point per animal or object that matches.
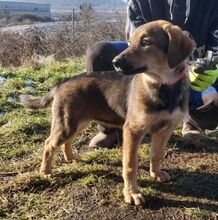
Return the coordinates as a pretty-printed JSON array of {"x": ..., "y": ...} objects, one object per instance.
[
  {"x": 164, "y": 120},
  {"x": 167, "y": 97}
]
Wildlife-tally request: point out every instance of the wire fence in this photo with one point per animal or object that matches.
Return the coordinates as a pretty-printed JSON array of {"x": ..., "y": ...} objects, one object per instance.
[{"x": 66, "y": 41}]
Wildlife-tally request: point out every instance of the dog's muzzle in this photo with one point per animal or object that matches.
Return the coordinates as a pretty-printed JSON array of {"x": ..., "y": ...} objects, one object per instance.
[{"x": 121, "y": 64}]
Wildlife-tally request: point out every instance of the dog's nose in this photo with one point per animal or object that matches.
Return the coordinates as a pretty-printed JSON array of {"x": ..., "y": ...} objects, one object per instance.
[{"x": 119, "y": 62}]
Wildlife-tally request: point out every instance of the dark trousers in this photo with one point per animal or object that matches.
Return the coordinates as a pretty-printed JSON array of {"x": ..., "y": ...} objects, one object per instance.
[{"x": 99, "y": 58}]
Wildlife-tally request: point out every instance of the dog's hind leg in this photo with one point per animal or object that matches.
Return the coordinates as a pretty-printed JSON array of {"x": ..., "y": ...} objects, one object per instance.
[
  {"x": 61, "y": 134},
  {"x": 47, "y": 155},
  {"x": 158, "y": 145},
  {"x": 66, "y": 147},
  {"x": 67, "y": 151}
]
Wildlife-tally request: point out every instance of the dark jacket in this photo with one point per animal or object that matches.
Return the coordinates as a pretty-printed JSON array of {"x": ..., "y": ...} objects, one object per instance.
[{"x": 198, "y": 17}]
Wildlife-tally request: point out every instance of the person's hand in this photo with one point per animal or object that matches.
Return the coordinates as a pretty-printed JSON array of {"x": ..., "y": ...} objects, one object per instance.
[{"x": 202, "y": 81}]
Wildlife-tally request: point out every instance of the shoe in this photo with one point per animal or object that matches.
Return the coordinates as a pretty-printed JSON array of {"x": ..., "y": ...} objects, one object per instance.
[
  {"x": 192, "y": 135},
  {"x": 104, "y": 140},
  {"x": 188, "y": 129}
]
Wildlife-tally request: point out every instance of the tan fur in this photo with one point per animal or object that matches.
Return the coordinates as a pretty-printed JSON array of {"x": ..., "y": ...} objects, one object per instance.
[{"x": 130, "y": 102}]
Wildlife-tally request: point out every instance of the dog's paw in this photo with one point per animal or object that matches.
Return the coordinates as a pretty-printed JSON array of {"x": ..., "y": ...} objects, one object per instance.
[
  {"x": 134, "y": 198},
  {"x": 161, "y": 176},
  {"x": 45, "y": 174},
  {"x": 70, "y": 156},
  {"x": 74, "y": 158}
]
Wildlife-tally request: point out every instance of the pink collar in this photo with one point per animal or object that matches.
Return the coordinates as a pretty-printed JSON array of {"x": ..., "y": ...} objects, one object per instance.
[{"x": 182, "y": 74}]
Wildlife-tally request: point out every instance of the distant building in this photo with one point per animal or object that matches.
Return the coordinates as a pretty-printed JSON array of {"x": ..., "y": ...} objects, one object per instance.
[{"x": 12, "y": 8}]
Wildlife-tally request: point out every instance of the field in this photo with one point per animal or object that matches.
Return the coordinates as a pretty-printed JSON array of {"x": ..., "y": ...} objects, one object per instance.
[{"x": 91, "y": 186}]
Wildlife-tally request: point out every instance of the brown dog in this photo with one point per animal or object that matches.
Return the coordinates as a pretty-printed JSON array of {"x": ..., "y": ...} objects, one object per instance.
[{"x": 153, "y": 101}]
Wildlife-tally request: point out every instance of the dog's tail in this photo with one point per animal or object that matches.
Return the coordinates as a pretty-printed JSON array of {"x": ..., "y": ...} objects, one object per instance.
[{"x": 33, "y": 103}]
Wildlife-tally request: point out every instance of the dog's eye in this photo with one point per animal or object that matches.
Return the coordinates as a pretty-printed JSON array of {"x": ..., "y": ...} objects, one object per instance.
[{"x": 145, "y": 42}]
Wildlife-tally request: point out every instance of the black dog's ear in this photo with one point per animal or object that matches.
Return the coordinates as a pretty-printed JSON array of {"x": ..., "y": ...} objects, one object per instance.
[{"x": 180, "y": 45}]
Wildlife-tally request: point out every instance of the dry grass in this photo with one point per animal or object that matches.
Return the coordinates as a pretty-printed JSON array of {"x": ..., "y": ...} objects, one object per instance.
[{"x": 67, "y": 41}]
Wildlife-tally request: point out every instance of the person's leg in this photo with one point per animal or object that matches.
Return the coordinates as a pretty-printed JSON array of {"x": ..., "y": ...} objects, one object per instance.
[
  {"x": 99, "y": 58},
  {"x": 203, "y": 112},
  {"x": 100, "y": 55}
]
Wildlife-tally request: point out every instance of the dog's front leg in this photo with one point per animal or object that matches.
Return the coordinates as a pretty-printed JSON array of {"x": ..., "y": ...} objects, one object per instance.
[
  {"x": 131, "y": 141},
  {"x": 158, "y": 144}
]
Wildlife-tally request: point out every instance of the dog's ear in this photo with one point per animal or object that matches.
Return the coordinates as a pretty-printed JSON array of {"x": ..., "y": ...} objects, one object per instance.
[{"x": 180, "y": 45}]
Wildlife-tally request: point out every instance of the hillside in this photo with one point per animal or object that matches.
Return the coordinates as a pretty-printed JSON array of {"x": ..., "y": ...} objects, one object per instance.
[{"x": 69, "y": 4}]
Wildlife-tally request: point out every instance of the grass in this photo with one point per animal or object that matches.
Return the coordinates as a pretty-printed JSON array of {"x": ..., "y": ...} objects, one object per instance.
[
  {"x": 91, "y": 186},
  {"x": 200, "y": 213}
]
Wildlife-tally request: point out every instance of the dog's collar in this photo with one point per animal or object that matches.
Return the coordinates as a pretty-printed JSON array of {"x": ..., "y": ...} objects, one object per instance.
[{"x": 180, "y": 74}]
